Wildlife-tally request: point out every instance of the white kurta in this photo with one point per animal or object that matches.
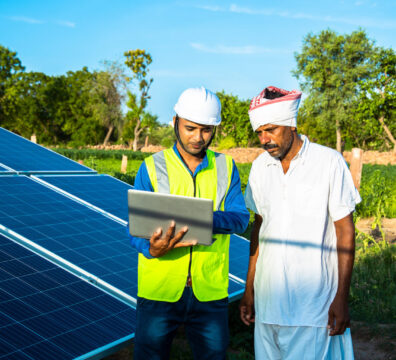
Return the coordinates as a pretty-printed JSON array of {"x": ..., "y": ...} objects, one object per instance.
[{"x": 297, "y": 271}]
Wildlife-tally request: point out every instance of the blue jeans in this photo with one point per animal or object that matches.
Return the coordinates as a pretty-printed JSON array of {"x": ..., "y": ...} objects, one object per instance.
[{"x": 206, "y": 326}]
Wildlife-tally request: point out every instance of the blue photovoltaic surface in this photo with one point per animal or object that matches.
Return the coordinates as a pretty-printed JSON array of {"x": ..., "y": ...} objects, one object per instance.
[
  {"x": 78, "y": 234},
  {"x": 239, "y": 256},
  {"x": 103, "y": 191},
  {"x": 22, "y": 155},
  {"x": 48, "y": 313}
]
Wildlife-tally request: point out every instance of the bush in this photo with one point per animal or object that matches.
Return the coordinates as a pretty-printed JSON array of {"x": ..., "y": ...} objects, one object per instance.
[
  {"x": 82, "y": 154},
  {"x": 378, "y": 191},
  {"x": 227, "y": 143}
]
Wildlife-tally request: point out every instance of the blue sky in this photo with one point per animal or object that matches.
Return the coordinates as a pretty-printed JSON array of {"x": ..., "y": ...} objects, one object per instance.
[{"x": 236, "y": 46}]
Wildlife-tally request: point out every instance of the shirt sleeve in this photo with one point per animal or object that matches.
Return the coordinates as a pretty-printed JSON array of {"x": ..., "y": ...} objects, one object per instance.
[
  {"x": 343, "y": 196},
  {"x": 249, "y": 191},
  {"x": 235, "y": 217},
  {"x": 142, "y": 182}
]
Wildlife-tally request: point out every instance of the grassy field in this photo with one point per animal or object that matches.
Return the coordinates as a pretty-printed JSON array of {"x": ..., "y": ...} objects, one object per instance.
[{"x": 373, "y": 288}]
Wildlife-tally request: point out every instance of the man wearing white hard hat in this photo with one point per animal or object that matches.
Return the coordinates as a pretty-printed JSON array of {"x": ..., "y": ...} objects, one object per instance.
[
  {"x": 303, "y": 240},
  {"x": 184, "y": 283}
]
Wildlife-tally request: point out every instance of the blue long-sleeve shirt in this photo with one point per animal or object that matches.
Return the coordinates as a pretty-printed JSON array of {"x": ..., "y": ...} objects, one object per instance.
[{"x": 234, "y": 218}]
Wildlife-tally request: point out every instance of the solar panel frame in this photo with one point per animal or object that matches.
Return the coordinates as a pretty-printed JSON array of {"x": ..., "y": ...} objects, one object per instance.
[
  {"x": 26, "y": 157},
  {"x": 32, "y": 330}
]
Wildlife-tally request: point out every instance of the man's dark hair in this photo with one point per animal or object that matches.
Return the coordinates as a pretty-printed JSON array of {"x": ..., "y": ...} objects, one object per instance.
[{"x": 272, "y": 94}]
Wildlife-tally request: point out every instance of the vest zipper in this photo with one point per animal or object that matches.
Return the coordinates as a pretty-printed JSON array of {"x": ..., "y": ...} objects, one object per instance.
[{"x": 189, "y": 281}]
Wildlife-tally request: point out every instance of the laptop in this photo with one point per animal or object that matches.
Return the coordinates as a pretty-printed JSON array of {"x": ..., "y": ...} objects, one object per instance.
[{"x": 149, "y": 211}]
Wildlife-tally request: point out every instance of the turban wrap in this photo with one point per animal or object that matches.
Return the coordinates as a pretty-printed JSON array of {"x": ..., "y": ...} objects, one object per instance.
[{"x": 274, "y": 106}]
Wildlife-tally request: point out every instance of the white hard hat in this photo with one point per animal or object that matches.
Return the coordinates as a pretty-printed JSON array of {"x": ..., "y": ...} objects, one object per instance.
[{"x": 199, "y": 105}]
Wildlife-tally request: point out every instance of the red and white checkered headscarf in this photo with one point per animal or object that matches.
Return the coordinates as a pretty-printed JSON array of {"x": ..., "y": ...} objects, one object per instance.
[{"x": 279, "y": 111}]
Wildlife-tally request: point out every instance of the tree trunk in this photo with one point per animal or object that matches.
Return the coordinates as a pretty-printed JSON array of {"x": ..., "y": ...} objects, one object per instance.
[
  {"x": 135, "y": 144},
  {"x": 109, "y": 132},
  {"x": 387, "y": 131},
  {"x": 338, "y": 134}
]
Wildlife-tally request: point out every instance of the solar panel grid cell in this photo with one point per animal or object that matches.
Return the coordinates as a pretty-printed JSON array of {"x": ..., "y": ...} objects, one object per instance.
[
  {"x": 23, "y": 155},
  {"x": 68, "y": 319},
  {"x": 102, "y": 191}
]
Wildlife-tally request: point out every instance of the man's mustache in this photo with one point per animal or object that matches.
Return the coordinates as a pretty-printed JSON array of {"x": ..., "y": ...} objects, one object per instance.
[{"x": 269, "y": 146}]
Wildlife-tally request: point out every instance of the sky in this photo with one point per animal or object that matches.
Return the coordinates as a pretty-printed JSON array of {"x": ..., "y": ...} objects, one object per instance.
[{"x": 236, "y": 46}]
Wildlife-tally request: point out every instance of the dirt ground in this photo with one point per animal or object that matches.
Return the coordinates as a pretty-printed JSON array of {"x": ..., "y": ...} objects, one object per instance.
[{"x": 246, "y": 155}]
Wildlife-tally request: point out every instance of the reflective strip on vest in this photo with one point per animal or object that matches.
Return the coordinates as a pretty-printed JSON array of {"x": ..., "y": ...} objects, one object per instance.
[
  {"x": 162, "y": 173},
  {"x": 222, "y": 181}
]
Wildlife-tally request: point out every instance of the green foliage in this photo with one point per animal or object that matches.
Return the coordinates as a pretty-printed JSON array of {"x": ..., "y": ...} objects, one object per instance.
[
  {"x": 378, "y": 192},
  {"x": 329, "y": 68},
  {"x": 373, "y": 286},
  {"x": 235, "y": 121},
  {"x": 82, "y": 154},
  {"x": 162, "y": 135},
  {"x": 106, "y": 101},
  {"x": 374, "y": 114},
  {"x": 226, "y": 143},
  {"x": 138, "y": 119}
]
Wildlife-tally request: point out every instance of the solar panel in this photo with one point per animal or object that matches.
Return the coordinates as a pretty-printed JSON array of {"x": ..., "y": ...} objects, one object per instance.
[
  {"x": 70, "y": 230},
  {"x": 103, "y": 191},
  {"x": 48, "y": 313},
  {"x": 239, "y": 256},
  {"x": 20, "y": 154}
]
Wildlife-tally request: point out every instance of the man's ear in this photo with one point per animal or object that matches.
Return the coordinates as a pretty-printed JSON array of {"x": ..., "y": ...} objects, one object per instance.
[
  {"x": 174, "y": 120},
  {"x": 294, "y": 129}
]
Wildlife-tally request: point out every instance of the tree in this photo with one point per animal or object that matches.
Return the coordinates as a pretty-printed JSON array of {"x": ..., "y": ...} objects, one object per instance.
[
  {"x": 10, "y": 67},
  {"x": 329, "y": 68},
  {"x": 375, "y": 110},
  {"x": 235, "y": 120},
  {"x": 106, "y": 101},
  {"x": 138, "y": 61}
]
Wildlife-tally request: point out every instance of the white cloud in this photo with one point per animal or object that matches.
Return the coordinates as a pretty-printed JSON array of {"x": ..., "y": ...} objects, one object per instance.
[
  {"x": 214, "y": 8},
  {"x": 66, "y": 23},
  {"x": 29, "y": 20},
  {"x": 25, "y": 19},
  {"x": 364, "y": 22},
  {"x": 236, "y": 50}
]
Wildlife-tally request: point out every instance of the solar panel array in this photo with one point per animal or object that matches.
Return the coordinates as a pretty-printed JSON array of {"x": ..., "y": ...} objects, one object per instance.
[
  {"x": 48, "y": 313},
  {"x": 67, "y": 217}
]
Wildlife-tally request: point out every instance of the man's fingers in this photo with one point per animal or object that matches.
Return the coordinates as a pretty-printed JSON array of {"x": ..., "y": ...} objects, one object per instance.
[
  {"x": 330, "y": 322},
  {"x": 156, "y": 235},
  {"x": 179, "y": 236},
  {"x": 242, "y": 313},
  {"x": 246, "y": 314},
  {"x": 185, "y": 244},
  {"x": 171, "y": 231}
]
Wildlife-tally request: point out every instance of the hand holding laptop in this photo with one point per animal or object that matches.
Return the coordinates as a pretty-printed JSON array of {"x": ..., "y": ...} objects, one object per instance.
[{"x": 159, "y": 246}]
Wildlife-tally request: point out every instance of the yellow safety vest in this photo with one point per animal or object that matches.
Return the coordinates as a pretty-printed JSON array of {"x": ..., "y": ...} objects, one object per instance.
[{"x": 164, "y": 278}]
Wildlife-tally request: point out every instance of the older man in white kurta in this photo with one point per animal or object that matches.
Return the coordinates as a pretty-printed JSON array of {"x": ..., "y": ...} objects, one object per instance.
[{"x": 302, "y": 243}]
